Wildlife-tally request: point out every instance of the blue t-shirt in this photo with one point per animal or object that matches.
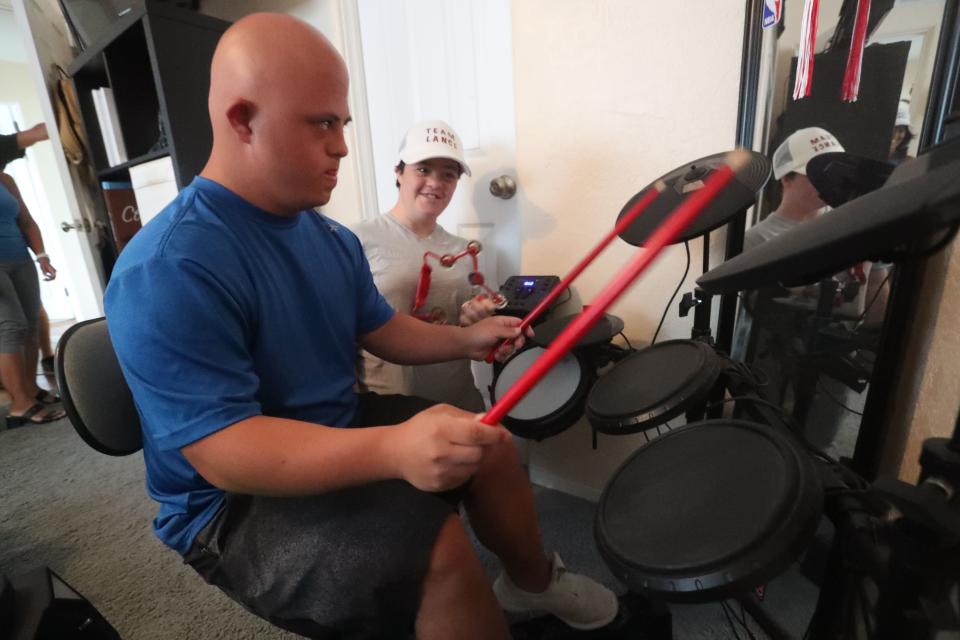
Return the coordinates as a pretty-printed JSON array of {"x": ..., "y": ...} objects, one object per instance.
[
  {"x": 13, "y": 246},
  {"x": 220, "y": 311}
]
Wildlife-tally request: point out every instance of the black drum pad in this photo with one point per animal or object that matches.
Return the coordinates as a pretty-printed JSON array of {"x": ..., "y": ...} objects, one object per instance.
[
  {"x": 739, "y": 195},
  {"x": 602, "y": 332},
  {"x": 652, "y": 386},
  {"x": 708, "y": 511}
]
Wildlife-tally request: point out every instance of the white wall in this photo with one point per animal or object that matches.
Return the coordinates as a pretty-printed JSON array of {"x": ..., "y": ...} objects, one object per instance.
[
  {"x": 609, "y": 96},
  {"x": 11, "y": 49},
  {"x": 346, "y": 205}
]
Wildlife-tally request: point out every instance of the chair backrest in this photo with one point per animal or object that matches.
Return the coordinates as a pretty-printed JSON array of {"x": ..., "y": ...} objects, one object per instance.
[{"x": 95, "y": 395}]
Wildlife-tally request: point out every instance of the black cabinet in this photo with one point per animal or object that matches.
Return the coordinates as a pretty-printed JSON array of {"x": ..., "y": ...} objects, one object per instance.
[{"x": 156, "y": 60}]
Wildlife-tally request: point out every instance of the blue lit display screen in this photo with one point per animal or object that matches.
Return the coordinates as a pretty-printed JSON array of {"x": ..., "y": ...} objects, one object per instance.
[{"x": 528, "y": 283}]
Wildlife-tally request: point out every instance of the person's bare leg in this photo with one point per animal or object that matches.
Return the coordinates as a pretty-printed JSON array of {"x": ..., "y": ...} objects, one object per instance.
[
  {"x": 457, "y": 599},
  {"x": 11, "y": 372},
  {"x": 46, "y": 348},
  {"x": 30, "y": 359},
  {"x": 503, "y": 515}
]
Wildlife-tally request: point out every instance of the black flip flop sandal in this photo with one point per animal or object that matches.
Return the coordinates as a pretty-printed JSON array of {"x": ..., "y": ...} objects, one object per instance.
[
  {"x": 46, "y": 397},
  {"x": 32, "y": 416}
]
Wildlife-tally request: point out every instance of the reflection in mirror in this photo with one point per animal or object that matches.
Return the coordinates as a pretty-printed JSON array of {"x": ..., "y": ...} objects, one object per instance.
[{"x": 813, "y": 347}]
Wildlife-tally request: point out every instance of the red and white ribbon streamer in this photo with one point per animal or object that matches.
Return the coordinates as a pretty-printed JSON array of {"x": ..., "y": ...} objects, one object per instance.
[
  {"x": 851, "y": 76},
  {"x": 808, "y": 42}
]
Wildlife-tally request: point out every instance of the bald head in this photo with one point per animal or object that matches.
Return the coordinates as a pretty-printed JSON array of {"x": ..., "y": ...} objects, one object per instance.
[
  {"x": 268, "y": 55},
  {"x": 274, "y": 82}
]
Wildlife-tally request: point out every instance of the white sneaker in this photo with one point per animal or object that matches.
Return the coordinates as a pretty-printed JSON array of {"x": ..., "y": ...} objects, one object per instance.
[{"x": 579, "y": 601}]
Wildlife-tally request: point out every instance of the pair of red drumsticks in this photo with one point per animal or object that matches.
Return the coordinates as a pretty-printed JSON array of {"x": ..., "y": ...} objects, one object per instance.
[{"x": 665, "y": 234}]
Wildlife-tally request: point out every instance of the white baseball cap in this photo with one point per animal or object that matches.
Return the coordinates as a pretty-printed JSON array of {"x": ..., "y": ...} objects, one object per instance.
[
  {"x": 432, "y": 139},
  {"x": 802, "y": 146}
]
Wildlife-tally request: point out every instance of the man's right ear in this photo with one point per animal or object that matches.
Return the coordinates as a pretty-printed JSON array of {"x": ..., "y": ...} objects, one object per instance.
[{"x": 240, "y": 115}]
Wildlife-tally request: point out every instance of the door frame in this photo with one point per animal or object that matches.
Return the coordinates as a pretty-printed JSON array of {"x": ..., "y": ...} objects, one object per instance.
[
  {"x": 359, "y": 108},
  {"x": 86, "y": 292}
]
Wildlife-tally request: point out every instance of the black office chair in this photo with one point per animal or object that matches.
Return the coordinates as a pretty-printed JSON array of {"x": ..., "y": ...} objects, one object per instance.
[{"x": 95, "y": 395}]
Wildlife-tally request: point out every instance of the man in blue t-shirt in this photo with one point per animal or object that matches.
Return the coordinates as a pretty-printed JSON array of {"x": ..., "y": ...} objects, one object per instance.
[{"x": 236, "y": 315}]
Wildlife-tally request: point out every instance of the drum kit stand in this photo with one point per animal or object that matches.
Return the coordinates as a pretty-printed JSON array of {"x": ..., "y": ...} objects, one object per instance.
[{"x": 714, "y": 509}]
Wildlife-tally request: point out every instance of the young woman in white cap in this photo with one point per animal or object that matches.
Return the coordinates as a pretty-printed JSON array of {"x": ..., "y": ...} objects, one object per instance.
[{"x": 430, "y": 165}]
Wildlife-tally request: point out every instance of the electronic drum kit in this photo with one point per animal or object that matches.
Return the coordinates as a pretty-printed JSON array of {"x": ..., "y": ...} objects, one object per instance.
[
  {"x": 643, "y": 389},
  {"x": 716, "y": 508}
]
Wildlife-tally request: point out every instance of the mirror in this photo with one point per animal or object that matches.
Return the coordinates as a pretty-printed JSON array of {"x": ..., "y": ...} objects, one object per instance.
[{"x": 814, "y": 348}]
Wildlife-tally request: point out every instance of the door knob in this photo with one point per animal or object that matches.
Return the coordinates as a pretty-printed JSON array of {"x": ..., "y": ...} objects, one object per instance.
[
  {"x": 79, "y": 225},
  {"x": 503, "y": 187}
]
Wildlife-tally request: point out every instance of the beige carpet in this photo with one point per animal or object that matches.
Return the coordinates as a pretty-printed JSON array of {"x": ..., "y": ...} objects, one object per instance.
[{"x": 87, "y": 517}]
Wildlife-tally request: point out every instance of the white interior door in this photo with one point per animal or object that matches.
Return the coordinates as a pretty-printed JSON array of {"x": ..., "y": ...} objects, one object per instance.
[
  {"x": 30, "y": 180},
  {"x": 46, "y": 43},
  {"x": 452, "y": 60}
]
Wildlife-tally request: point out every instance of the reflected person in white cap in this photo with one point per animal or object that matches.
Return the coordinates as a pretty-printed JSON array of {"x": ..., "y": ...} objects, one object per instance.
[
  {"x": 800, "y": 201},
  {"x": 902, "y": 134},
  {"x": 429, "y": 168}
]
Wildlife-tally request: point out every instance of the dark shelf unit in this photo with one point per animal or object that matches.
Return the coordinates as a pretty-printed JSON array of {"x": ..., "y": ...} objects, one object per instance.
[
  {"x": 121, "y": 171},
  {"x": 156, "y": 60}
]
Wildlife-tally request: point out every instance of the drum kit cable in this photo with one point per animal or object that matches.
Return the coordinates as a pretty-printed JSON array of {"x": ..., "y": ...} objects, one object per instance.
[{"x": 716, "y": 508}]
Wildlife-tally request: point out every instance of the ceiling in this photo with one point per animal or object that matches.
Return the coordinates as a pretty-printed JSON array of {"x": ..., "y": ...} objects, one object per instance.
[{"x": 11, "y": 44}]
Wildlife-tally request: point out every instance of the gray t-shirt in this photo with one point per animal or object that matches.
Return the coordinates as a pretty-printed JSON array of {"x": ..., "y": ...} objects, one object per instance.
[
  {"x": 769, "y": 228},
  {"x": 395, "y": 254}
]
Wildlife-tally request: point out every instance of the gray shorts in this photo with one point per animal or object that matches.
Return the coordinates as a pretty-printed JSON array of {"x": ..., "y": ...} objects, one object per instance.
[
  {"x": 19, "y": 304},
  {"x": 345, "y": 564}
]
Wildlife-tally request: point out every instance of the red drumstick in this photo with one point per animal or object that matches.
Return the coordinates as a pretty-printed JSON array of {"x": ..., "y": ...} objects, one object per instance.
[
  {"x": 666, "y": 233},
  {"x": 645, "y": 200}
]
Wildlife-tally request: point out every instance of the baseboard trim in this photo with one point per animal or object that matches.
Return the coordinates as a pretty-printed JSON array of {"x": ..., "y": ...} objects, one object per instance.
[{"x": 550, "y": 480}]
